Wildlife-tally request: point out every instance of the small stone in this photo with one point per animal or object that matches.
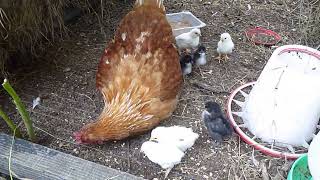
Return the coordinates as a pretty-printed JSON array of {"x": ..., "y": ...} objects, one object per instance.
[
  {"x": 84, "y": 83},
  {"x": 76, "y": 151},
  {"x": 67, "y": 69},
  {"x": 60, "y": 144}
]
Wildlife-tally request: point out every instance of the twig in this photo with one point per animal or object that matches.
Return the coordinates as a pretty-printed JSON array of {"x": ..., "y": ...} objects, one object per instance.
[
  {"x": 182, "y": 113},
  {"x": 184, "y": 117},
  {"x": 21, "y": 108},
  {"x": 204, "y": 86},
  {"x": 239, "y": 80},
  {"x": 265, "y": 175},
  {"x": 89, "y": 99}
]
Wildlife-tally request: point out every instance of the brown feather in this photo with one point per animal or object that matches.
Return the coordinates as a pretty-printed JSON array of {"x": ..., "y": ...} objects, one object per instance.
[{"x": 139, "y": 76}]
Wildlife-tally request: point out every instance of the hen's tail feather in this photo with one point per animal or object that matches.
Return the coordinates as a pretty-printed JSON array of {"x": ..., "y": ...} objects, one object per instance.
[{"x": 157, "y": 3}]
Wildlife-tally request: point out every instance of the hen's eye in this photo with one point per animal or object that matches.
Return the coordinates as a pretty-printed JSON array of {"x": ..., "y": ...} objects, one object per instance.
[{"x": 225, "y": 38}]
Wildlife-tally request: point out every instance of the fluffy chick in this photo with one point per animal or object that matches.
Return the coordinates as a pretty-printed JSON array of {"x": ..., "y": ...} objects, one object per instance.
[
  {"x": 178, "y": 136},
  {"x": 199, "y": 57},
  {"x": 218, "y": 126},
  {"x": 186, "y": 64},
  {"x": 189, "y": 40},
  {"x": 225, "y": 46},
  {"x": 162, "y": 154}
]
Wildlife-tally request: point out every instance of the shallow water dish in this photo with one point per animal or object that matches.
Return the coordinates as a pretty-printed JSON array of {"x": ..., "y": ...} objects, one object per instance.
[
  {"x": 183, "y": 22},
  {"x": 259, "y": 35}
]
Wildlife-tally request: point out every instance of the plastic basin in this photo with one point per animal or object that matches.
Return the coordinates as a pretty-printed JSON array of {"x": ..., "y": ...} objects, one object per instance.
[{"x": 183, "y": 22}]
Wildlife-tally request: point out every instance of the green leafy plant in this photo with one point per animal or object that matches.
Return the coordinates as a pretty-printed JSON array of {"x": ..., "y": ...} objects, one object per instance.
[{"x": 21, "y": 109}]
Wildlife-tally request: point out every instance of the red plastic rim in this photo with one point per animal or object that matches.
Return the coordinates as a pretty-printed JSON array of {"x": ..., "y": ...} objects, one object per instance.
[
  {"x": 252, "y": 33},
  {"x": 246, "y": 138}
]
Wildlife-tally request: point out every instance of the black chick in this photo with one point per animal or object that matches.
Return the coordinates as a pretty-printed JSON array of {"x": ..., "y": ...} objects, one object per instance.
[
  {"x": 186, "y": 64},
  {"x": 199, "y": 57},
  {"x": 218, "y": 126}
]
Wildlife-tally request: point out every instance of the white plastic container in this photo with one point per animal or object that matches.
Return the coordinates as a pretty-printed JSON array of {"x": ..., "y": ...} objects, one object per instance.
[
  {"x": 183, "y": 22},
  {"x": 284, "y": 104}
]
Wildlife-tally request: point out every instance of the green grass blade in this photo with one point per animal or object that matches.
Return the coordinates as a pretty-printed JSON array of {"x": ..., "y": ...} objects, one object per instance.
[
  {"x": 10, "y": 123},
  {"x": 21, "y": 108}
]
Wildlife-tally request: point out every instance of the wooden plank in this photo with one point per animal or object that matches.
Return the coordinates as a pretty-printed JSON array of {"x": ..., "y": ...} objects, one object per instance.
[{"x": 35, "y": 162}]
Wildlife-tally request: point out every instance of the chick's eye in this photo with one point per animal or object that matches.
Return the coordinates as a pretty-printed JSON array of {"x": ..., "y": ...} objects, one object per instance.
[{"x": 225, "y": 38}]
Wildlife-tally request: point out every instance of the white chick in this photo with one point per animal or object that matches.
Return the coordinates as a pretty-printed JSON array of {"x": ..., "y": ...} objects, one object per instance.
[
  {"x": 189, "y": 40},
  {"x": 162, "y": 154},
  {"x": 225, "y": 46},
  {"x": 178, "y": 136}
]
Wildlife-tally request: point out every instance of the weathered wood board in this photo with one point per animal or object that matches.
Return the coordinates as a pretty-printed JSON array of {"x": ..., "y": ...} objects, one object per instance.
[{"x": 35, "y": 162}]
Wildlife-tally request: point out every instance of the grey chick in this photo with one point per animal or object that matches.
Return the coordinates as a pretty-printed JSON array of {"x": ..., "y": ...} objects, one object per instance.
[
  {"x": 186, "y": 64},
  {"x": 217, "y": 125}
]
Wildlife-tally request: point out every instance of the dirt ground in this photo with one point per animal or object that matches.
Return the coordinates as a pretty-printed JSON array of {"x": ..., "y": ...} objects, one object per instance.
[{"x": 66, "y": 83}]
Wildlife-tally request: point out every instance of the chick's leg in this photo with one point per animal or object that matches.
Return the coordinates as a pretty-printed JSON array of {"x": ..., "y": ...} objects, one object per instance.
[
  {"x": 188, "y": 51},
  {"x": 226, "y": 57},
  {"x": 185, "y": 51},
  {"x": 218, "y": 58}
]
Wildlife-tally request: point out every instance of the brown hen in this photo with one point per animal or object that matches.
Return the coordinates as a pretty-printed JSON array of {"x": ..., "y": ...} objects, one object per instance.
[{"x": 139, "y": 76}]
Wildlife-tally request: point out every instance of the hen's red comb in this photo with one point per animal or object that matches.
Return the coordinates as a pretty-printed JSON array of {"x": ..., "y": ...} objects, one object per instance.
[{"x": 77, "y": 136}]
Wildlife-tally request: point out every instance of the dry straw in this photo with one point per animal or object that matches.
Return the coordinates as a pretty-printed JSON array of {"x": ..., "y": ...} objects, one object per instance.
[
  {"x": 28, "y": 26},
  {"x": 310, "y": 21}
]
